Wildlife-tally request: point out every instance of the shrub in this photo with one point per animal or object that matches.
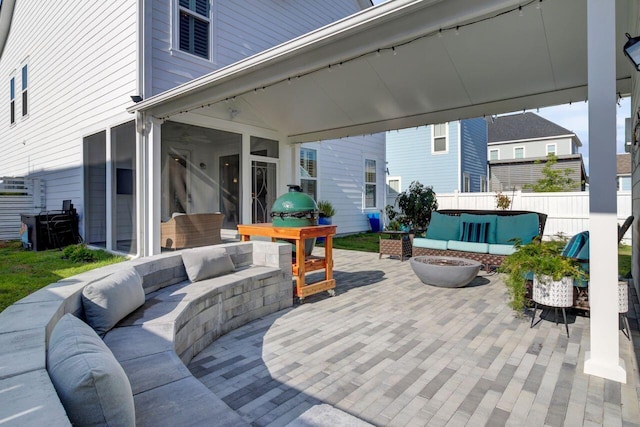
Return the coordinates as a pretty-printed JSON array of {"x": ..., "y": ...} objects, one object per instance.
[{"x": 79, "y": 253}]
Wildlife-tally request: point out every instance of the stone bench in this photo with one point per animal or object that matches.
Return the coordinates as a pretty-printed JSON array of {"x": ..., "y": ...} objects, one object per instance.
[{"x": 153, "y": 343}]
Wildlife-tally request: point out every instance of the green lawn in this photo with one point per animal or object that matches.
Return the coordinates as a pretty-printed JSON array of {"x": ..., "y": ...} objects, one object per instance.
[{"x": 23, "y": 272}]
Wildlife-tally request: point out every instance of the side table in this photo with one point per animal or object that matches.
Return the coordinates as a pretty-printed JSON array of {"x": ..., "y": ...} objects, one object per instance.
[{"x": 396, "y": 243}]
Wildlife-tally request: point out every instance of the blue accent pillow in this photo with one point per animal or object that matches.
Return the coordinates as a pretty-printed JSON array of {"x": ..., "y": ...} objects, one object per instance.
[
  {"x": 522, "y": 227},
  {"x": 443, "y": 227},
  {"x": 575, "y": 245},
  {"x": 489, "y": 218},
  {"x": 476, "y": 232}
]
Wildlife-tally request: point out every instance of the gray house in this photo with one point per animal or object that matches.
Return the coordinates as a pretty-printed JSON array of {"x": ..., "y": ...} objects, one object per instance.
[{"x": 518, "y": 145}]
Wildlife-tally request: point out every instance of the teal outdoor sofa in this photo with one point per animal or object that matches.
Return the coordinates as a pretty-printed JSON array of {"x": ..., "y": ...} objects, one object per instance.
[{"x": 487, "y": 236}]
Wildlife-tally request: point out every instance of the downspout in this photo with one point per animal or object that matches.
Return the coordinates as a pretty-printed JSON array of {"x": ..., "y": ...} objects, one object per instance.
[
  {"x": 6, "y": 15},
  {"x": 141, "y": 138}
]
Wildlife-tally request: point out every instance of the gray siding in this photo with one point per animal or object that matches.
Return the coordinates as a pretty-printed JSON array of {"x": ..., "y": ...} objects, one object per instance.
[
  {"x": 473, "y": 141},
  {"x": 507, "y": 176}
]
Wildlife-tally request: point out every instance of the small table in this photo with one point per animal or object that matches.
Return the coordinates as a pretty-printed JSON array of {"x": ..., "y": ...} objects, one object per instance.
[
  {"x": 399, "y": 246},
  {"x": 301, "y": 264}
]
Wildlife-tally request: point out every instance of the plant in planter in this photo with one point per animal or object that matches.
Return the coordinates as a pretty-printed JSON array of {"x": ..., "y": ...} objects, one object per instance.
[
  {"x": 326, "y": 212},
  {"x": 415, "y": 205},
  {"x": 541, "y": 259}
]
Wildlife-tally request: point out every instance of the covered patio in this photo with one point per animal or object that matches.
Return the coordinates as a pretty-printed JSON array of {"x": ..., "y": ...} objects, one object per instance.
[
  {"x": 412, "y": 62},
  {"x": 393, "y": 351}
]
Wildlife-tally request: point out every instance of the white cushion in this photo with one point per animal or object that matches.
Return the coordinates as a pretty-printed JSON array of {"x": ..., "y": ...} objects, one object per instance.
[
  {"x": 204, "y": 263},
  {"x": 109, "y": 300},
  {"x": 91, "y": 385}
]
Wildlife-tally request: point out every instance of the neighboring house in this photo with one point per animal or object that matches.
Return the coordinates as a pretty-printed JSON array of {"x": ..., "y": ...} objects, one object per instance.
[
  {"x": 449, "y": 157},
  {"x": 623, "y": 177},
  {"x": 70, "y": 75},
  {"x": 518, "y": 146}
]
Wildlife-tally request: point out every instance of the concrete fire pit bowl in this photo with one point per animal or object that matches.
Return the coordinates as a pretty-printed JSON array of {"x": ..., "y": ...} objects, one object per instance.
[{"x": 446, "y": 272}]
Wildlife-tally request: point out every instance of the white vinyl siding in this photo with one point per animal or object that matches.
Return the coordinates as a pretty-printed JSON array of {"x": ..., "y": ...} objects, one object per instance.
[{"x": 81, "y": 73}]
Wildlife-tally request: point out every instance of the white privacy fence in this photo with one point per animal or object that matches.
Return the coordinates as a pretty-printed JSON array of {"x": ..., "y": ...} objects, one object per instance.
[
  {"x": 567, "y": 213},
  {"x": 18, "y": 196}
]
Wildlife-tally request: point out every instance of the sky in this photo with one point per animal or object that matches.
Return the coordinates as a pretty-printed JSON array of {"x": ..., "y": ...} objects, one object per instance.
[{"x": 575, "y": 117}]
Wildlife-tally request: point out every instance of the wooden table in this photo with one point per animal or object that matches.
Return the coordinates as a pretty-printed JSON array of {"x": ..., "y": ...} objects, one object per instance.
[{"x": 301, "y": 264}]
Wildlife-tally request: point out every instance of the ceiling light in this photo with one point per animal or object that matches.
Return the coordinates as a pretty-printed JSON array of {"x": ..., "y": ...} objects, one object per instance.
[{"x": 632, "y": 50}]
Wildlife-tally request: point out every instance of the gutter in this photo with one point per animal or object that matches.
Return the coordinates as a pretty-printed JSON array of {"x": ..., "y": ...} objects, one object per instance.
[{"x": 6, "y": 15}]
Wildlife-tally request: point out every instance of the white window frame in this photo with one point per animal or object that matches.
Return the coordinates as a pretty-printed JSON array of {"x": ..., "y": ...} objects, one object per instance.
[
  {"x": 523, "y": 152},
  {"x": 24, "y": 92},
  {"x": 394, "y": 178},
  {"x": 310, "y": 178},
  {"x": 466, "y": 182},
  {"x": 374, "y": 183},
  {"x": 446, "y": 138},
  {"x": 555, "y": 149},
  {"x": 483, "y": 184},
  {"x": 494, "y": 150},
  {"x": 12, "y": 100},
  {"x": 175, "y": 32}
]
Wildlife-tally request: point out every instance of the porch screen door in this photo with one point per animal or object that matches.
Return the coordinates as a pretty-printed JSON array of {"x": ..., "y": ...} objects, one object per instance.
[{"x": 263, "y": 190}]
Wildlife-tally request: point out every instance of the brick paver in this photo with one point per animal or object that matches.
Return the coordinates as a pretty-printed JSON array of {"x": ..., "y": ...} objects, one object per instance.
[{"x": 393, "y": 351}]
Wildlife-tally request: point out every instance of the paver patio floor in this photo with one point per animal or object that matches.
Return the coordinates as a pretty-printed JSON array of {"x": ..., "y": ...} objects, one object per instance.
[{"x": 393, "y": 351}]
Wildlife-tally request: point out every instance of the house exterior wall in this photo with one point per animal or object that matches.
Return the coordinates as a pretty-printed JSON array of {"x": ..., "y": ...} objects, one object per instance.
[
  {"x": 473, "y": 143},
  {"x": 81, "y": 59},
  {"x": 536, "y": 148},
  {"x": 341, "y": 178},
  {"x": 509, "y": 176},
  {"x": 410, "y": 156},
  {"x": 239, "y": 29},
  {"x": 635, "y": 163}
]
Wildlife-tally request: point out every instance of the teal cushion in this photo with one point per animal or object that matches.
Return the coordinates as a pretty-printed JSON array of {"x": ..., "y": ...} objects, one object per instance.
[
  {"x": 456, "y": 245},
  {"x": 443, "y": 227},
  {"x": 522, "y": 227},
  {"x": 420, "y": 242},
  {"x": 576, "y": 244},
  {"x": 489, "y": 218},
  {"x": 497, "y": 249},
  {"x": 584, "y": 251}
]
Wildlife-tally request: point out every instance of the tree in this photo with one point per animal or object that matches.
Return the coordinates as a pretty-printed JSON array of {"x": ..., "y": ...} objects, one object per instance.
[
  {"x": 416, "y": 204},
  {"x": 554, "y": 179}
]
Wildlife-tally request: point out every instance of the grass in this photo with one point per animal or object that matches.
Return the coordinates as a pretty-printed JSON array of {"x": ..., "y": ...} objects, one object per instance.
[
  {"x": 624, "y": 261},
  {"x": 24, "y": 272}
]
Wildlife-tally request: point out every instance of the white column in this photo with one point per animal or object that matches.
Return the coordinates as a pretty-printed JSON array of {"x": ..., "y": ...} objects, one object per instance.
[
  {"x": 154, "y": 195},
  {"x": 110, "y": 192},
  {"x": 603, "y": 359},
  {"x": 141, "y": 186}
]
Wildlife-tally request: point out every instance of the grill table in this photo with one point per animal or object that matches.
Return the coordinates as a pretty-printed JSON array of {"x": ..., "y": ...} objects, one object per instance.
[{"x": 301, "y": 264}]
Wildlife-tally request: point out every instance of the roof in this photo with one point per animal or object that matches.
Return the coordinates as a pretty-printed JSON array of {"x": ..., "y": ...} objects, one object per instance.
[
  {"x": 624, "y": 164},
  {"x": 520, "y": 126},
  {"x": 403, "y": 63}
]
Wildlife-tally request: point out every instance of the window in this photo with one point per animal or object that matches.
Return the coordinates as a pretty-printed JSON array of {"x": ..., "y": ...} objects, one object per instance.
[
  {"x": 393, "y": 184},
  {"x": 494, "y": 154},
  {"x": 194, "y": 26},
  {"x": 12, "y": 105},
  {"x": 25, "y": 104},
  {"x": 483, "y": 184},
  {"x": 369, "y": 183},
  {"x": 309, "y": 172},
  {"x": 518, "y": 152},
  {"x": 618, "y": 186},
  {"x": 551, "y": 149},
  {"x": 439, "y": 143},
  {"x": 466, "y": 186}
]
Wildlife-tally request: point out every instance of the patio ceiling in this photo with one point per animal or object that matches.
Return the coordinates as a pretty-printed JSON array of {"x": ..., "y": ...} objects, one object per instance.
[{"x": 405, "y": 63}]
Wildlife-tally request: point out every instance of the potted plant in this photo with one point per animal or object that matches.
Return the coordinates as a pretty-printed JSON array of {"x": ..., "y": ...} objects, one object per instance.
[
  {"x": 326, "y": 212},
  {"x": 415, "y": 205},
  {"x": 541, "y": 261}
]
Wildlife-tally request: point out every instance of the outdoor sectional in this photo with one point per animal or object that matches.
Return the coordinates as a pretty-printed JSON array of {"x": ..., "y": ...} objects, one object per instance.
[
  {"x": 109, "y": 346},
  {"x": 485, "y": 236}
]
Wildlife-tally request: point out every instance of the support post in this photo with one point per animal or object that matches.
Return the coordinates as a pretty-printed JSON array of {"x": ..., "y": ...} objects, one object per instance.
[{"x": 603, "y": 358}]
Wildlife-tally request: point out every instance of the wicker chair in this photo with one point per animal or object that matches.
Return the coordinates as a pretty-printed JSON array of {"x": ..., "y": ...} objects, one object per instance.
[{"x": 191, "y": 230}]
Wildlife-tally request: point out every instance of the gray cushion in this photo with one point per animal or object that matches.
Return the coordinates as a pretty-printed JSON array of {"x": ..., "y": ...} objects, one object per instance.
[
  {"x": 204, "y": 263},
  {"x": 92, "y": 386},
  {"x": 109, "y": 300}
]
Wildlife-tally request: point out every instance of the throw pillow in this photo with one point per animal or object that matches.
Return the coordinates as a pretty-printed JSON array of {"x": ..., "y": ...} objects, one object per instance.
[
  {"x": 492, "y": 219},
  {"x": 204, "y": 263},
  {"x": 90, "y": 383},
  {"x": 443, "y": 227},
  {"x": 476, "y": 232},
  {"x": 109, "y": 300}
]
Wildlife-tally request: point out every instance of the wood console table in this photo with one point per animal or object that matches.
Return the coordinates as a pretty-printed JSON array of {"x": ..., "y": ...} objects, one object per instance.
[{"x": 301, "y": 264}]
